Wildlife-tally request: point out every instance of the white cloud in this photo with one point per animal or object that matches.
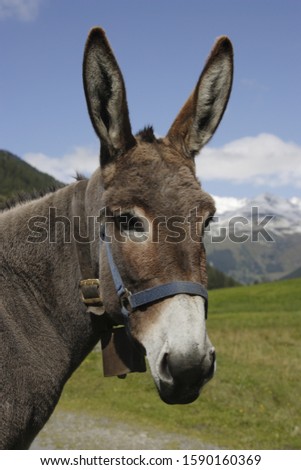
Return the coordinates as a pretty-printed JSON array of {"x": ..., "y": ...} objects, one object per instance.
[
  {"x": 225, "y": 204},
  {"x": 24, "y": 10},
  {"x": 82, "y": 159},
  {"x": 296, "y": 201},
  {"x": 264, "y": 160}
]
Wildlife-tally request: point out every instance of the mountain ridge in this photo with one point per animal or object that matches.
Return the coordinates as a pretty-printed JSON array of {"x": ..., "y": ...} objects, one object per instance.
[
  {"x": 17, "y": 176},
  {"x": 259, "y": 240}
]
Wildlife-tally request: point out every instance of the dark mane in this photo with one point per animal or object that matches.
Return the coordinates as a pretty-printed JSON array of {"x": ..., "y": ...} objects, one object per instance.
[
  {"x": 147, "y": 134},
  {"x": 79, "y": 176}
]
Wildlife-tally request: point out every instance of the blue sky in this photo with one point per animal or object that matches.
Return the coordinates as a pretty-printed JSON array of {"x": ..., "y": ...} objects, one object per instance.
[{"x": 161, "y": 46}]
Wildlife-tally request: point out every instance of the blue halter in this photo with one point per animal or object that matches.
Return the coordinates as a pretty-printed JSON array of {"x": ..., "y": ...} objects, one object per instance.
[{"x": 153, "y": 294}]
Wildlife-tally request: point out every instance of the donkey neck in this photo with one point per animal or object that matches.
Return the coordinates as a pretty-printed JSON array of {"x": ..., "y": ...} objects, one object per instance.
[
  {"x": 38, "y": 246},
  {"x": 47, "y": 329}
]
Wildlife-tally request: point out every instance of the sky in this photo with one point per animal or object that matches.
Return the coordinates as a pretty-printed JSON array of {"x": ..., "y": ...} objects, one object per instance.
[{"x": 161, "y": 47}]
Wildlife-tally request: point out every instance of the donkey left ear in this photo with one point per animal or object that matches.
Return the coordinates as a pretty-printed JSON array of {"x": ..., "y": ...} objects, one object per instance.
[
  {"x": 106, "y": 97},
  {"x": 201, "y": 114}
]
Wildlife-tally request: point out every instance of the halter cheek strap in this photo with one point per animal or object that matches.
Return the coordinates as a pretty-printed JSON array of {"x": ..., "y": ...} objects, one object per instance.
[{"x": 153, "y": 294}]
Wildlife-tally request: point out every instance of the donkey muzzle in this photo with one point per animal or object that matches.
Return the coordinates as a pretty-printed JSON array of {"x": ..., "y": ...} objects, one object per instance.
[{"x": 181, "y": 381}]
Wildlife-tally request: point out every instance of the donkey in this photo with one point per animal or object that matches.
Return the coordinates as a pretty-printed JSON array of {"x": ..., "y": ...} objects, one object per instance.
[{"x": 64, "y": 287}]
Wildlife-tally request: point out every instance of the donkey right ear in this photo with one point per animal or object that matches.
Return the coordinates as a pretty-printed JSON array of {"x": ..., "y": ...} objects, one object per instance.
[
  {"x": 202, "y": 112},
  {"x": 106, "y": 97}
]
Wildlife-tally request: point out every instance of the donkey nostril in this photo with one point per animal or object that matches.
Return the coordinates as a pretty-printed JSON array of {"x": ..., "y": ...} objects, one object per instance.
[
  {"x": 165, "y": 373},
  {"x": 212, "y": 356}
]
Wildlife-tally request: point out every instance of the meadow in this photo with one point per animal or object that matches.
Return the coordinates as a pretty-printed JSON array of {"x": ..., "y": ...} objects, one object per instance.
[{"x": 254, "y": 400}]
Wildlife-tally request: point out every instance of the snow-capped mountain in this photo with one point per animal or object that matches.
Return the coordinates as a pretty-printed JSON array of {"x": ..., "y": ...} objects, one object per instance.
[
  {"x": 284, "y": 215},
  {"x": 256, "y": 239}
]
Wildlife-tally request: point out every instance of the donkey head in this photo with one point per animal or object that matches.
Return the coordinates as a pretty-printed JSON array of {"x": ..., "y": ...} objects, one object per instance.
[{"x": 158, "y": 213}]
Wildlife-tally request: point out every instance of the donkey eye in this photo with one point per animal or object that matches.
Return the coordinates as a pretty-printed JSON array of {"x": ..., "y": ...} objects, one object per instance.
[
  {"x": 209, "y": 220},
  {"x": 128, "y": 222}
]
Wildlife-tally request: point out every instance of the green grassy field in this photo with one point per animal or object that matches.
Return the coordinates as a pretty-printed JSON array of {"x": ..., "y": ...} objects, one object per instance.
[{"x": 254, "y": 401}]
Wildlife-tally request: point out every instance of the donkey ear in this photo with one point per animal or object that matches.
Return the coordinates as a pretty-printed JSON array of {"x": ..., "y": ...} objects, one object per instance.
[
  {"x": 106, "y": 97},
  {"x": 201, "y": 114}
]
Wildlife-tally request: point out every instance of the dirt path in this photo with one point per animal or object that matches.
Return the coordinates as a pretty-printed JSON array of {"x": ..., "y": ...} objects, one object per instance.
[{"x": 78, "y": 431}]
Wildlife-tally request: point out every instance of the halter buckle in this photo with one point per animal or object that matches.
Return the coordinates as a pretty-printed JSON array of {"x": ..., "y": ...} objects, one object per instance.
[
  {"x": 87, "y": 289},
  {"x": 125, "y": 298}
]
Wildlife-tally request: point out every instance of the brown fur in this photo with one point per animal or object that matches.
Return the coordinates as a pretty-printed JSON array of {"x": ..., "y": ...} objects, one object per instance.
[{"x": 45, "y": 329}]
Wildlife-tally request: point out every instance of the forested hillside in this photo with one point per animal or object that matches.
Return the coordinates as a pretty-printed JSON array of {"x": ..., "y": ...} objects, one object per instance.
[
  {"x": 17, "y": 176},
  {"x": 217, "y": 279}
]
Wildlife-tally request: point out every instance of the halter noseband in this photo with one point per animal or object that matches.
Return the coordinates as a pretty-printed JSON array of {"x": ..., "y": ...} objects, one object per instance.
[{"x": 151, "y": 295}]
